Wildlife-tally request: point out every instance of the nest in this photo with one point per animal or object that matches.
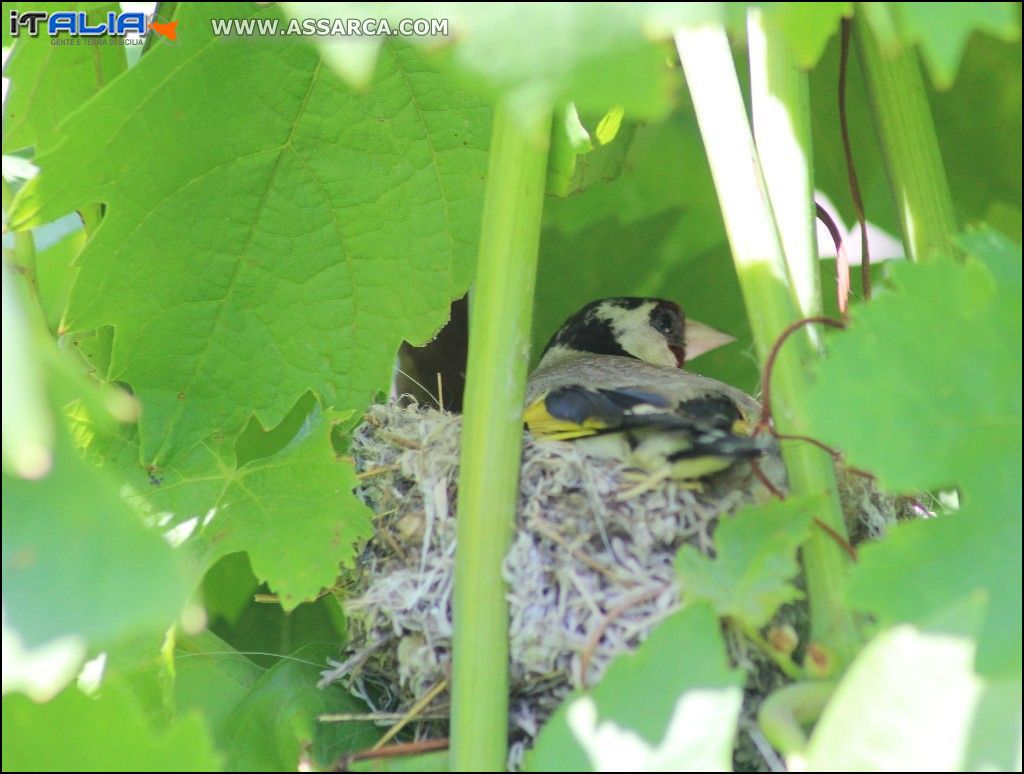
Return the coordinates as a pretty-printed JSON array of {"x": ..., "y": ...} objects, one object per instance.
[{"x": 589, "y": 574}]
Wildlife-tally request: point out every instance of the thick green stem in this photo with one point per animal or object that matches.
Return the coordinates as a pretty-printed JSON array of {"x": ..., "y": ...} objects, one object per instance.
[
  {"x": 781, "y": 112},
  {"x": 906, "y": 130},
  {"x": 765, "y": 282},
  {"x": 492, "y": 434}
]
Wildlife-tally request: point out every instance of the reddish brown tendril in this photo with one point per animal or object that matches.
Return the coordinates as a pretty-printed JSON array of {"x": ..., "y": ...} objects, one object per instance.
[
  {"x": 842, "y": 259},
  {"x": 840, "y": 541},
  {"x": 761, "y": 476},
  {"x": 835, "y": 453},
  {"x": 851, "y": 171},
  {"x": 769, "y": 364},
  {"x": 393, "y": 751}
]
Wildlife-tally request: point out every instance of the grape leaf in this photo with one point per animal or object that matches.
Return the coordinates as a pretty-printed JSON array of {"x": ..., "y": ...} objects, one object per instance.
[
  {"x": 228, "y": 587},
  {"x": 749, "y": 579},
  {"x": 275, "y": 261},
  {"x": 912, "y": 701},
  {"x": 594, "y": 55},
  {"x": 924, "y": 389},
  {"x": 49, "y": 81},
  {"x": 292, "y": 512},
  {"x": 211, "y": 678},
  {"x": 535, "y": 57},
  {"x": 277, "y": 715},
  {"x": 107, "y": 733},
  {"x": 671, "y": 706}
]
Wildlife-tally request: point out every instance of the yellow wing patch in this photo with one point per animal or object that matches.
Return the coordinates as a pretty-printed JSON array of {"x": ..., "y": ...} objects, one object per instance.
[{"x": 543, "y": 425}]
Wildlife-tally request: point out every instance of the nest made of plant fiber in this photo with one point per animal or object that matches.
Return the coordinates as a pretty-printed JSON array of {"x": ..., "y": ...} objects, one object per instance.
[{"x": 590, "y": 573}]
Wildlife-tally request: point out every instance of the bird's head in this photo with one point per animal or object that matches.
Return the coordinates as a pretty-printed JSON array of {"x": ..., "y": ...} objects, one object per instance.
[{"x": 649, "y": 329}]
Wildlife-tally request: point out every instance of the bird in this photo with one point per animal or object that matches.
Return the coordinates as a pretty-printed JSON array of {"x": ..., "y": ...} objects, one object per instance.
[{"x": 612, "y": 379}]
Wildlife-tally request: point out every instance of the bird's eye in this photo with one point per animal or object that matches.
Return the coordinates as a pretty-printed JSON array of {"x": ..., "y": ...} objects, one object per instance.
[{"x": 663, "y": 321}]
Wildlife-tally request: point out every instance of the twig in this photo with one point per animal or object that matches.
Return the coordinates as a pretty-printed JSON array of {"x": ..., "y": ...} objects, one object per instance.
[
  {"x": 392, "y": 751},
  {"x": 370, "y": 717},
  {"x": 412, "y": 712},
  {"x": 376, "y": 471},
  {"x": 548, "y": 530},
  {"x": 599, "y": 631}
]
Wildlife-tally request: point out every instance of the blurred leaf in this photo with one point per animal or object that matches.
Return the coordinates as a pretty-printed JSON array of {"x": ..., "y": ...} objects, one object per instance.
[
  {"x": 808, "y": 26},
  {"x": 77, "y": 733},
  {"x": 943, "y": 29},
  {"x": 338, "y": 183},
  {"x": 933, "y": 563},
  {"x": 911, "y": 701},
  {"x": 978, "y": 122},
  {"x": 77, "y": 559},
  {"x": 49, "y": 81},
  {"x": 671, "y": 706},
  {"x": 537, "y": 56},
  {"x": 755, "y": 561},
  {"x": 27, "y": 420}
]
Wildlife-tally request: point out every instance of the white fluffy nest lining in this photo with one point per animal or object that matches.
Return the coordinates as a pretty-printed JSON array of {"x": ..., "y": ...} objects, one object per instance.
[{"x": 589, "y": 575}]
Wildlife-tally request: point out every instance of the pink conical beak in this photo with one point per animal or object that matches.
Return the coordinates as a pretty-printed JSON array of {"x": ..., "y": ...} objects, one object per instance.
[{"x": 701, "y": 338}]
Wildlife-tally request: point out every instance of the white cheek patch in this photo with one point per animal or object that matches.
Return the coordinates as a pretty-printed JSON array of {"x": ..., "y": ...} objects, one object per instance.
[{"x": 634, "y": 333}]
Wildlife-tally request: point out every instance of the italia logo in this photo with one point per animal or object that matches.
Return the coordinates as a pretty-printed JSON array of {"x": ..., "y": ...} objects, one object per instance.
[{"x": 77, "y": 23}]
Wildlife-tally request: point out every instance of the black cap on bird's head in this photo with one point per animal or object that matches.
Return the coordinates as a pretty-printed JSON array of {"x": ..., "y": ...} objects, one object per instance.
[{"x": 650, "y": 329}]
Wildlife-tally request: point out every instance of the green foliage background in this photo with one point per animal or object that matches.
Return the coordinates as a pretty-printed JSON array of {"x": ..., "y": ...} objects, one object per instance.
[{"x": 263, "y": 222}]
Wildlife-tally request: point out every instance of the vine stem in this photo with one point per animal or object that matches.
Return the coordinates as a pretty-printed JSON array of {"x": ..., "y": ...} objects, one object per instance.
[
  {"x": 492, "y": 434},
  {"x": 764, "y": 275},
  {"x": 910, "y": 147}
]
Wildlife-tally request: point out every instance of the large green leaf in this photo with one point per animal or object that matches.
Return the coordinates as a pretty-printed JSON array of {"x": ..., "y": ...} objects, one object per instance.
[
  {"x": 75, "y": 732},
  {"x": 755, "y": 562},
  {"x": 49, "y": 81},
  {"x": 273, "y": 227},
  {"x": 671, "y": 706},
  {"x": 924, "y": 389},
  {"x": 292, "y": 512},
  {"x": 262, "y": 720}
]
